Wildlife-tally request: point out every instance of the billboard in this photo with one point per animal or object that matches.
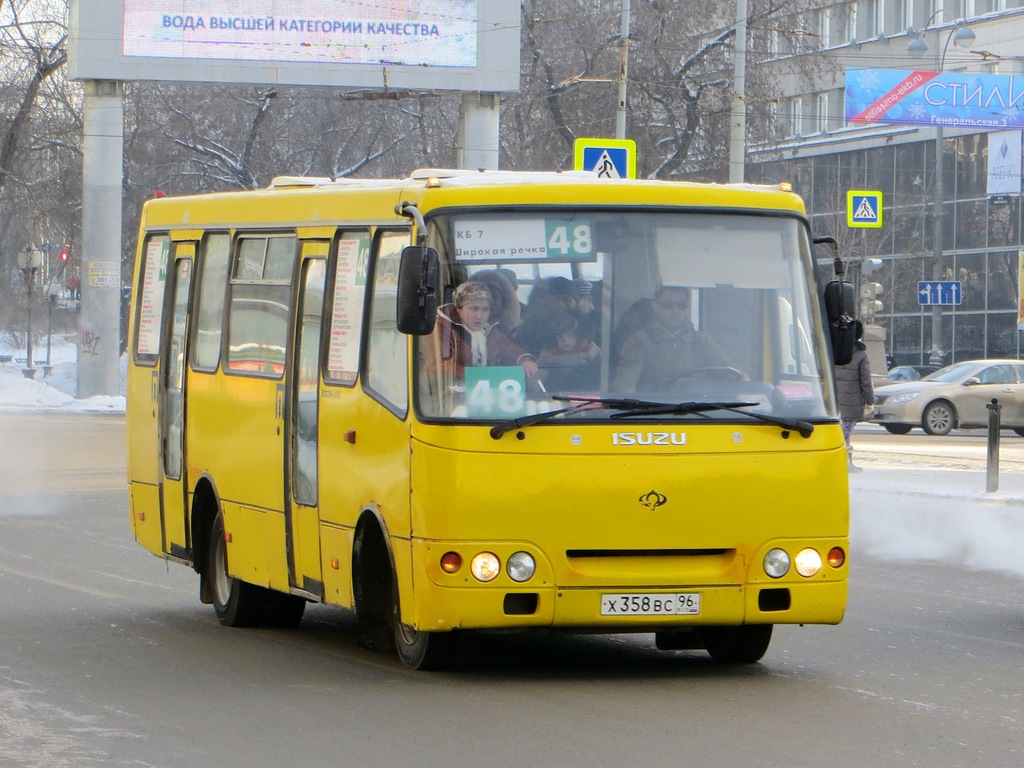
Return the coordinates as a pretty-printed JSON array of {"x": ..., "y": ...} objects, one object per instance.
[
  {"x": 935, "y": 99},
  {"x": 1004, "y": 156},
  {"x": 465, "y": 45}
]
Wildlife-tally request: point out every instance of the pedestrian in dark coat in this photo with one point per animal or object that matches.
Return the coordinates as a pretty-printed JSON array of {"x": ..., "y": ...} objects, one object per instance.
[{"x": 854, "y": 392}]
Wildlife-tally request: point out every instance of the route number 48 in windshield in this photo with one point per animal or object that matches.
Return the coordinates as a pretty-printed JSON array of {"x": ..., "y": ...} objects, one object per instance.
[
  {"x": 568, "y": 239},
  {"x": 495, "y": 392}
]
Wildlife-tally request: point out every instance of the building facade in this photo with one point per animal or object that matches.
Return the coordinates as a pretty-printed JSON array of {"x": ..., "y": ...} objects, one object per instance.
[{"x": 979, "y": 236}]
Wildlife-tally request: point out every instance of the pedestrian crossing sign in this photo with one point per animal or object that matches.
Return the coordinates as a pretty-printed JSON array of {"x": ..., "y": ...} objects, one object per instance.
[
  {"x": 863, "y": 209},
  {"x": 608, "y": 158}
]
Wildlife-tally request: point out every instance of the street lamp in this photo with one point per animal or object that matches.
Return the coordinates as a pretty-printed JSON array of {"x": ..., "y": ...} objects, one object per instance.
[
  {"x": 29, "y": 260},
  {"x": 962, "y": 37}
]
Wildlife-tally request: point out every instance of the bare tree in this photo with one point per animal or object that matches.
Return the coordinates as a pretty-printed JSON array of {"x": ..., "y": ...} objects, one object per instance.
[
  {"x": 680, "y": 81},
  {"x": 39, "y": 144}
]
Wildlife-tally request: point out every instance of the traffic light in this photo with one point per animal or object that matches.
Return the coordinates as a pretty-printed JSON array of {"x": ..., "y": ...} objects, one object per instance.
[
  {"x": 65, "y": 253},
  {"x": 870, "y": 266},
  {"x": 869, "y": 303}
]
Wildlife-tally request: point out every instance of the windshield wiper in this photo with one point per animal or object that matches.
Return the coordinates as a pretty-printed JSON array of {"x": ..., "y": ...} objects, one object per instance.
[
  {"x": 580, "y": 403},
  {"x": 629, "y": 407},
  {"x": 805, "y": 428}
]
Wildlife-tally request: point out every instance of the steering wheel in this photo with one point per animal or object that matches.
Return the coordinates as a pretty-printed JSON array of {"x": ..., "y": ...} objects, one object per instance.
[{"x": 724, "y": 372}]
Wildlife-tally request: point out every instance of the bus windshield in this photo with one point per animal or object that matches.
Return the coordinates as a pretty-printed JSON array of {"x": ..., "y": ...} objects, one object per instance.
[{"x": 662, "y": 306}]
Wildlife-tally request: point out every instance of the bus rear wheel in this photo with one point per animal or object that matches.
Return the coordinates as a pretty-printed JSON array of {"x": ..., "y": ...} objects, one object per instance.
[
  {"x": 737, "y": 645},
  {"x": 236, "y": 603}
]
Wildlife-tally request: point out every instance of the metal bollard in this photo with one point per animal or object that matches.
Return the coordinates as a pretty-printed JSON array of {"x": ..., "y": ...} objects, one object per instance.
[{"x": 992, "y": 467}]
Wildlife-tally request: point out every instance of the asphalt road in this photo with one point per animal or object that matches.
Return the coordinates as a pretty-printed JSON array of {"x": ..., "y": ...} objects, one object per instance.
[{"x": 107, "y": 658}]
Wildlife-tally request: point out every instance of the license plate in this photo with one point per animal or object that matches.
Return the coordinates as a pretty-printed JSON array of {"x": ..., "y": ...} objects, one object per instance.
[{"x": 651, "y": 604}]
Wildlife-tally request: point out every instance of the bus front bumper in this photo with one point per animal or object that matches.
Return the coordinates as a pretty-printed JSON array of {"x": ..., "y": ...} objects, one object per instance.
[{"x": 629, "y": 610}]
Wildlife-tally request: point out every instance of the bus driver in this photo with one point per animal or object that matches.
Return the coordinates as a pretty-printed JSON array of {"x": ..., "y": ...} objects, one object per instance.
[{"x": 662, "y": 352}]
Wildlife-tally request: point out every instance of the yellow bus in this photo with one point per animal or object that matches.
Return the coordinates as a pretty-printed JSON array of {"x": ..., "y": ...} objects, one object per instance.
[{"x": 640, "y": 435}]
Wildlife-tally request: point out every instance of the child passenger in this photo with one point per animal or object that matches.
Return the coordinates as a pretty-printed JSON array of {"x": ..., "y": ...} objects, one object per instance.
[{"x": 569, "y": 359}]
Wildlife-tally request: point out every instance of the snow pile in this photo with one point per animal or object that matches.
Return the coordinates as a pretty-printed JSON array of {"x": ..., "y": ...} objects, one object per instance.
[{"x": 55, "y": 392}]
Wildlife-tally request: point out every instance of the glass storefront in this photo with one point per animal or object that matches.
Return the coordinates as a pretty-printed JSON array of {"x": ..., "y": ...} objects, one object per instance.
[{"x": 981, "y": 239}]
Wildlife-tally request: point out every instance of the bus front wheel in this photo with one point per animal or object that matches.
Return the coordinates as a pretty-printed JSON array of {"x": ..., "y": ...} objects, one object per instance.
[
  {"x": 236, "y": 603},
  {"x": 422, "y": 650},
  {"x": 737, "y": 645}
]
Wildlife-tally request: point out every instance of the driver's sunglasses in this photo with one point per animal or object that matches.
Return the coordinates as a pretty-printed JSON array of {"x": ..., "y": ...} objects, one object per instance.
[{"x": 674, "y": 304}]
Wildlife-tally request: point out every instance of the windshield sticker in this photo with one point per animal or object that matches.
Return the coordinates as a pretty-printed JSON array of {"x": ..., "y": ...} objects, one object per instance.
[{"x": 521, "y": 240}]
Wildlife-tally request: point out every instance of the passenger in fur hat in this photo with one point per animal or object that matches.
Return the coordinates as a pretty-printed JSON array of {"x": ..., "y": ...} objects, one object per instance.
[
  {"x": 505, "y": 307},
  {"x": 466, "y": 337}
]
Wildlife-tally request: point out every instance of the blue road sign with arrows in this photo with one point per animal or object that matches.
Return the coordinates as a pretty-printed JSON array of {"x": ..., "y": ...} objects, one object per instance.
[{"x": 946, "y": 292}]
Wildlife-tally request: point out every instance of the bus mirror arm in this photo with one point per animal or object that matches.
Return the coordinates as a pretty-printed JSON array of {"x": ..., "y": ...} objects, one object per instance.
[
  {"x": 410, "y": 211},
  {"x": 418, "y": 290},
  {"x": 419, "y": 280}
]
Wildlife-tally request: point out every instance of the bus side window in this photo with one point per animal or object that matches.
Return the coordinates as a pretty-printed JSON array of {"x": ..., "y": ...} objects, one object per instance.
[
  {"x": 258, "y": 321},
  {"x": 213, "y": 278},
  {"x": 387, "y": 349}
]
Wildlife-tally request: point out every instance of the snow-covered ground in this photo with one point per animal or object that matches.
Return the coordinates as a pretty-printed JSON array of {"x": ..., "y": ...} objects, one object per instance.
[
  {"x": 903, "y": 513},
  {"x": 56, "y": 392}
]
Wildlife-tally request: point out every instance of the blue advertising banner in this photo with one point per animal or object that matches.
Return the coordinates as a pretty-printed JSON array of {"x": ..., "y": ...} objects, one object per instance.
[{"x": 947, "y": 99}]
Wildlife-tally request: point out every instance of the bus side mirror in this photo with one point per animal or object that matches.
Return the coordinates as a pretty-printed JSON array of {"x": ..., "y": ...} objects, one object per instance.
[
  {"x": 419, "y": 286},
  {"x": 839, "y": 302}
]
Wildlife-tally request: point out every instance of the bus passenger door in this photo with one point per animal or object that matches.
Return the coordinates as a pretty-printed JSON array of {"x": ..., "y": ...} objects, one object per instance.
[
  {"x": 303, "y": 524},
  {"x": 171, "y": 406},
  {"x": 149, "y": 301}
]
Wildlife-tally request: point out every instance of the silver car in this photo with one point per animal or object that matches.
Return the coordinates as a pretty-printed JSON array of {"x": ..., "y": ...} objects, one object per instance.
[{"x": 954, "y": 397}]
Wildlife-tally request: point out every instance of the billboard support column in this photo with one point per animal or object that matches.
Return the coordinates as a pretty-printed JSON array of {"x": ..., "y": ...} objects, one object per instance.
[
  {"x": 477, "y": 142},
  {"x": 99, "y": 319}
]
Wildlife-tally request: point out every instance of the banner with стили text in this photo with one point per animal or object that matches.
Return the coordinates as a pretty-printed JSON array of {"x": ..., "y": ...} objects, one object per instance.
[{"x": 936, "y": 99}]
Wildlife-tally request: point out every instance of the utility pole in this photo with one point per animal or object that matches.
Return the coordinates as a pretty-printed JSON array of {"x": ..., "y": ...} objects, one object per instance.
[
  {"x": 963, "y": 37},
  {"x": 620, "y": 113},
  {"x": 738, "y": 116}
]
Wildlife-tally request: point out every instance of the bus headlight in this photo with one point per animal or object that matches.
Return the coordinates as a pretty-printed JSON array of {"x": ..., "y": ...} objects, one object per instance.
[
  {"x": 521, "y": 567},
  {"x": 485, "y": 566},
  {"x": 808, "y": 562},
  {"x": 776, "y": 563}
]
